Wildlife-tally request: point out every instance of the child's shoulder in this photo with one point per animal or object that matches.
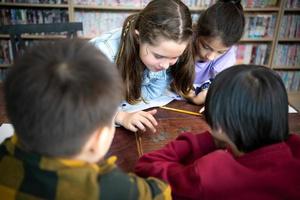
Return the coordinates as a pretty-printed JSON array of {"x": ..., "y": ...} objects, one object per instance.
[
  {"x": 131, "y": 186},
  {"x": 110, "y": 35},
  {"x": 109, "y": 43}
]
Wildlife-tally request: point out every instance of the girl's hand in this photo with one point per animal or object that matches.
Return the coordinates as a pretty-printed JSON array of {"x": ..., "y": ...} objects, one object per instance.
[
  {"x": 137, "y": 120},
  {"x": 198, "y": 99}
]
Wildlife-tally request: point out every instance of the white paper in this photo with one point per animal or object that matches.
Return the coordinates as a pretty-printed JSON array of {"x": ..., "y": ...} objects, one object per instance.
[
  {"x": 6, "y": 130},
  {"x": 157, "y": 102},
  {"x": 292, "y": 110}
]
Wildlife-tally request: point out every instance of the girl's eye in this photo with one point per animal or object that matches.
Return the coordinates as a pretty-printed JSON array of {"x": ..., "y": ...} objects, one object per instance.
[
  {"x": 158, "y": 56},
  {"x": 205, "y": 47}
]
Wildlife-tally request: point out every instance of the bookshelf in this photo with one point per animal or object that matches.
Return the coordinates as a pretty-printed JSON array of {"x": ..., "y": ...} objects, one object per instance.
[{"x": 272, "y": 34}]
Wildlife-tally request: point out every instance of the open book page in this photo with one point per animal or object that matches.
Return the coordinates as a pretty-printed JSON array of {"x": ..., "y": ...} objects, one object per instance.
[
  {"x": 292, "y": 110},
  {"x": 6, "y": 130},
  {"x": 157, "y": 102}
]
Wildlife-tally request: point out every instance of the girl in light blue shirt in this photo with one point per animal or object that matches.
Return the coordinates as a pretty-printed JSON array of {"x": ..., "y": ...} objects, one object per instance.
[{"x": 153, "y": 53}]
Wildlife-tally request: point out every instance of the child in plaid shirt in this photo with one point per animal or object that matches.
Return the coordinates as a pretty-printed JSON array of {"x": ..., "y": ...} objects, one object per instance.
[{"x": 61, "y": 99}]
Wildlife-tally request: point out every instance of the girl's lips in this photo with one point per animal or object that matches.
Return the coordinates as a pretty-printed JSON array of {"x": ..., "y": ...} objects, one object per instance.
[{"x": 158, "y": 68}]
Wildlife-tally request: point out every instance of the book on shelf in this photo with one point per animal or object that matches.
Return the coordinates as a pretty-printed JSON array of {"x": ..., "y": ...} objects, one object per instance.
[
  {"x": 291, "y": 80},
  {"x": 259, "y": 25},
  {"x": 3, "y": 73},
  {"x": 290, "y": 26},
  {"x": 199, "y": 3},
  {"x": 113, "y": 3},
  {"x": 36, "y": 1},
  {"x": 292, "y": 4},
  {"x": 253, "y": 53},
  {"x": 11, "y": 16},
  {"x": 287, "y": 55},
  {"x": 97, "y": 23},
  {"x": 259, "y": 3},
  {"x": 6, "y": 55},
  {"x": 5, "y": 52}
]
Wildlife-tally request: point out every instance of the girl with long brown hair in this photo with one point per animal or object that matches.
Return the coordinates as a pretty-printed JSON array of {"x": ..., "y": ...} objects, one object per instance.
[{"x": 153, "y": 53}]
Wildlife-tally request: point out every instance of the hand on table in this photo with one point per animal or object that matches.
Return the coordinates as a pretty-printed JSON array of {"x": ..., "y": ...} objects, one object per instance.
[
  {"x": 198, "y": 99},
  {"x": 140, "y": 120}
]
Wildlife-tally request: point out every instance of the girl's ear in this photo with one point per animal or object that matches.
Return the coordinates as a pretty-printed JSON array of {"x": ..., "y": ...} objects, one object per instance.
[
  {"x": 222, "y": 141},
  {"x": 220, "y": 138},
  {"x": 97, "y": 145}
]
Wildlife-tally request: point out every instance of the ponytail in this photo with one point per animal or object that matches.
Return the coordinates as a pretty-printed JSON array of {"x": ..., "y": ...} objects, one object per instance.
[{"x": 128, "y": 61}]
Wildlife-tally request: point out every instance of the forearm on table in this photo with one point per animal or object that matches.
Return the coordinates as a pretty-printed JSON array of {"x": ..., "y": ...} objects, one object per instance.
[{"x": 185, "y": 149}]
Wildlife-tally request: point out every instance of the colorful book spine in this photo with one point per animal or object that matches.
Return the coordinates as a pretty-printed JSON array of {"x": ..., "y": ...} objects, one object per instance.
[
  {"x": 292, "y": 4},
  {"x": 32, "y": 16},
  {"x": 259, "y": 26},
  {"x": 259, "y": 3},
  {"x": 291, "y": 80},
  {"x": 290, "y": 26},
  {"x": 287, "y": 55},
  {"x": 97, "y": 23},
  {"x": 253, "y": 54}
]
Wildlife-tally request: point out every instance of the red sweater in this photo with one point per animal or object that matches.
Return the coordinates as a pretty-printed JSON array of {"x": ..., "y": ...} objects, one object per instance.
[{"x": 195, "y": 169}]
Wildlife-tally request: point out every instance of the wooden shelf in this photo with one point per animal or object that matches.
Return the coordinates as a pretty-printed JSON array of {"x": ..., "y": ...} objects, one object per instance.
[
  {"x": 5, "y": 65},
  {"x": 37, "y": 37},
  {"x": 108, "y": 8},
  {"x": 267, "y": 39},
  {"x": 242, "y": 63},
  {"x": 34, "y": 5},
  {"x": 192, "y": 9},
  {"x": 291, "y": 9},
  {"x": 287, "y": 67},
  {"x": 195, "y": 9},
  {"x": 270, "y": 9},
  {"x": 85, "y": 38},
  {"x": 289, "y": 40},
  {"x": 2, "y": 36}
]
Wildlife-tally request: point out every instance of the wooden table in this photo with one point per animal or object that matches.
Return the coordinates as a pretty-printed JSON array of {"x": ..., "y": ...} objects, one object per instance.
[{"x": 128, "y": 146}]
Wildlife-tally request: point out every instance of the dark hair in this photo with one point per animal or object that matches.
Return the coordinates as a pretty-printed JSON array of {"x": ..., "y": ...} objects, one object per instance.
[
  {"x": 160, "y": 18},
  {"x": 225, "y": 19},
  {"x": 57, "y": 94},
  {"x": 249, "y": 103}
]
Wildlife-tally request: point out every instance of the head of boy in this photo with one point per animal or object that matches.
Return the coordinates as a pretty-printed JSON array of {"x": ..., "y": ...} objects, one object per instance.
[
  {"x": 218, "y": 28},
  {"x": 247, "y": 107},
  {"x": 61, "y": 99}
]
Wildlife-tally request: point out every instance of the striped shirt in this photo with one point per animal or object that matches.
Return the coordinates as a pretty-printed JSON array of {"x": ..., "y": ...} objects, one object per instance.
[{"x": 29, "y": 176}]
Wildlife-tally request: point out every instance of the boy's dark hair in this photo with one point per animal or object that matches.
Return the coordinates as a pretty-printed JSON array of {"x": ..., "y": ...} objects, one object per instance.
[
  {"x": 249, "y": 103},
  {"x": 224, "y": 19},
  {"x": 57, "y": 94}
]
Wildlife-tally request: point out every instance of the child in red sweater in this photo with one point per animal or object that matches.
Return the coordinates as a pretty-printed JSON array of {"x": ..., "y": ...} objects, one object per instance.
[{"x": 248, "y": 155}]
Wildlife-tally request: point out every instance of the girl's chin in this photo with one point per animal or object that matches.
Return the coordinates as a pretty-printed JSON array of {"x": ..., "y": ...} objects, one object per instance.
[{"x": 156, "y": 69}]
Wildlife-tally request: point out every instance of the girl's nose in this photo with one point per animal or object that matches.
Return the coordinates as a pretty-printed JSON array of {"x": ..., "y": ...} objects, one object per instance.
[
  {"x": 211, "y": 55},
  {"x": 165, "y": 65}
]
